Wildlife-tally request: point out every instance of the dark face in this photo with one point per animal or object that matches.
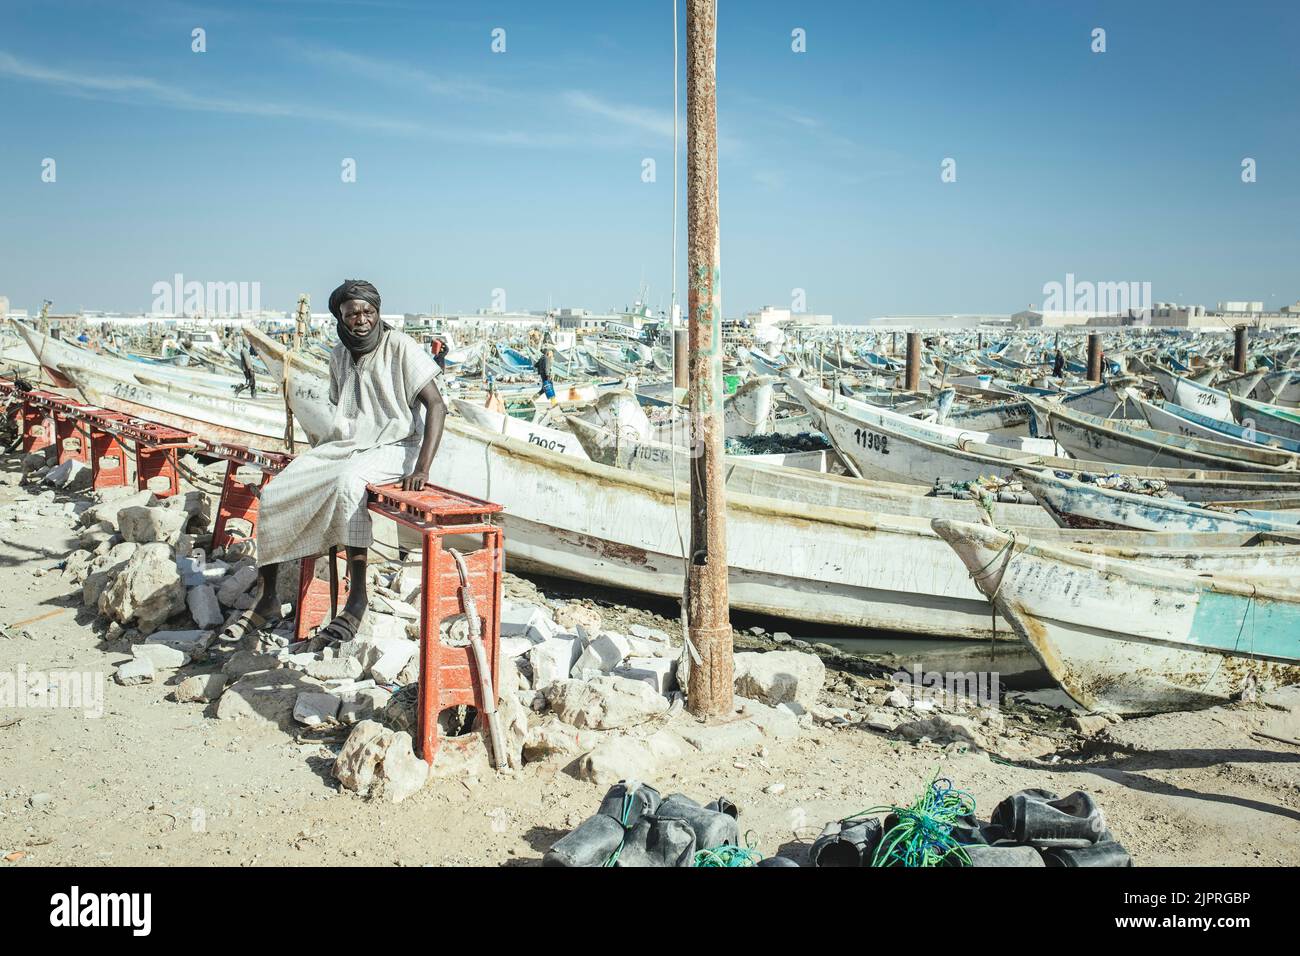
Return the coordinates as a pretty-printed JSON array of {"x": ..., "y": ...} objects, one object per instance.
[{"x": 359, "y": 316}]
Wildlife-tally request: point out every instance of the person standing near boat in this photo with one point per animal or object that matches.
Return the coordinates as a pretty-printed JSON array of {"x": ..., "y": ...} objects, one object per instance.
[
  {"x": 543, "y": 366},
  {"x": 438, "y": 348},
  {"x": 388, "y": 418},
  {"x": 1058, "y": 365},
  {"x": 246, "y": 355}
]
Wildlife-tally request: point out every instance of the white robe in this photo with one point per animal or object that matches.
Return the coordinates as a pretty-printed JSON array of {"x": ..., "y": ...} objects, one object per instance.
[{"x": 319, "y": 500}]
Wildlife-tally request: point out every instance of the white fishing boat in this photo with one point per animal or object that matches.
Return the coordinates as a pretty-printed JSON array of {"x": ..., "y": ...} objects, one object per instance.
[
  {"x": 552, "y": 439},
  {"x": 759, "y": 475},
  {"x": 1128, "y": 638},
  {"x": 230, "y": 420},
  {"x": 1136, "y": 443},
  {"x": 1173, "y": 418},
  {"x": 1077, "y": 504},
  {"x": 54, "y": 353},
  {"x": 903, "y": 452},
  {"x": 1189, "y": 394}
]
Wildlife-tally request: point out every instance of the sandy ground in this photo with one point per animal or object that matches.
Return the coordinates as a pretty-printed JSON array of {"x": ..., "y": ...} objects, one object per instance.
[{"x": 152, "y": 782}]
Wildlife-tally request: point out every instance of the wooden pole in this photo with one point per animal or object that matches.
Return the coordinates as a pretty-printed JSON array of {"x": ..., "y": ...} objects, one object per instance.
[
  {"x": 709, "y": 686},
  {"x": 913, "y": 381},
  {"x": 1240, "y": 349},
  {"x": 1094, "y": 356}
]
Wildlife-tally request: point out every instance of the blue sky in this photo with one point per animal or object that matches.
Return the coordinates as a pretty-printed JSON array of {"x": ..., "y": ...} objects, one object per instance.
[{"x": 522, "y": 170}]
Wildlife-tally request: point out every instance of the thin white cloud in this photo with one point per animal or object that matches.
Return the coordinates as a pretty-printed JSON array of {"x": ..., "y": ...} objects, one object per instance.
[
  {"x": 142, "y": 89},
  {"x": 650, "y": 121},
  {"x": 387, "y": 71}
]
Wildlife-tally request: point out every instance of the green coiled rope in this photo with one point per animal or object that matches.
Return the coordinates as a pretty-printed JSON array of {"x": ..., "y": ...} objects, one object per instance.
[{"x": 923, "y": 834}]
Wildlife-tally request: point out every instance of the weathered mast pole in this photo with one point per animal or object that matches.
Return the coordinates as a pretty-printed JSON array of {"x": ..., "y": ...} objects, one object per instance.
[{"x": 709, "y": 687}]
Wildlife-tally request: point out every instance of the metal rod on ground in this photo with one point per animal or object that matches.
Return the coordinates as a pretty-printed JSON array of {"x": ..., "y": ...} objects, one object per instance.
[
  {"x": 1239, "y": 349},
  {"x": 1094, "y": 356},
  {"x": 710, "y": 682},
  {"x": 913, "y": 382}
]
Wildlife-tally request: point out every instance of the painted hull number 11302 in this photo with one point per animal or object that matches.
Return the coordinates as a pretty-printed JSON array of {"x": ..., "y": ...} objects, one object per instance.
[{"x": 872, "y": 441}]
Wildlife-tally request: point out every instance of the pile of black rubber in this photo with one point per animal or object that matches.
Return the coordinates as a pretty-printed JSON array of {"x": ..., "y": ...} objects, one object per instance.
[
  {"x": 1029, "y": 828},
  {"x": 634, "y": 826}
]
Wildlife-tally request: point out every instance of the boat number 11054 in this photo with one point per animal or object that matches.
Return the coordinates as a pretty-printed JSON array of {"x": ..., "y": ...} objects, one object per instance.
[{"x": 872, "y": 441}]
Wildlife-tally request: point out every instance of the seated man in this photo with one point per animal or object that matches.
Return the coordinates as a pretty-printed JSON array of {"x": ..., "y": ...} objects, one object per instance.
[{"x": 387, "y": 422}]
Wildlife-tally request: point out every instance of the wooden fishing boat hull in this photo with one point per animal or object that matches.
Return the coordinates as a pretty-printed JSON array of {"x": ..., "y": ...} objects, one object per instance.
[
  {"x": 888, "y": 454},
  {"x": 218, "y": 419},
  {"x": 1121, "y": 637},
  {"x": 747, "y": 476},
  {"x": 1127, "y": 443},
  {"x": 1076, "y": 504},
  {"x": 552, "y": 439}
]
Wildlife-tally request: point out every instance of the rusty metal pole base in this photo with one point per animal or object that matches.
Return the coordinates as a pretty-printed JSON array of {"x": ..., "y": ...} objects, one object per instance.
[{"x": 710, "y": 688}]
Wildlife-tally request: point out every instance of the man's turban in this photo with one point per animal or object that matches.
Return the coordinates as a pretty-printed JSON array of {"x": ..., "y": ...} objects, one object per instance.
[{"x": 353, "y": 289}]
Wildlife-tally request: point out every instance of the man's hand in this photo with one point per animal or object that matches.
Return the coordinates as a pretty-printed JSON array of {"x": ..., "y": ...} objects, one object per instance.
[{"x": 415, "y": 481}]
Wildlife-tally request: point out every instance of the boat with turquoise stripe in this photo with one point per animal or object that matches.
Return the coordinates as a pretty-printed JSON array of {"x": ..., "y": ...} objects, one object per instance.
[{"x": 1129, "y": 638}]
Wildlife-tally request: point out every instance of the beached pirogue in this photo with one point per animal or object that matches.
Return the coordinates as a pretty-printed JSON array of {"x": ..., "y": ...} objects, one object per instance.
[{"x": 1132, "y": 637}]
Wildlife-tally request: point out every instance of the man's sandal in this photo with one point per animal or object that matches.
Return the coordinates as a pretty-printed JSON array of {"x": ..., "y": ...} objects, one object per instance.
[
  {"x": 342, "y": 629},
  {"x": 245, "y": 628}
]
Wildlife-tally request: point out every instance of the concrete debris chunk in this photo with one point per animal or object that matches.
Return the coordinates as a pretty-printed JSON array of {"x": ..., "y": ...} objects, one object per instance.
[
  {"x": 552, "y": 737},
  {"x": 147, "y": 591},
  {"x": 161, "y": 656},
  {"x": 364, "y": 704},
  {"x": 314, "y": 708},
  {"x": 204, "y": 607},
  {"x": 1089, "y": 724},
  {"x": 944, "y": 728},
  {"x": 649, "y": 633},
  {"x": 380, "y": 763},
  {"x": 72, "y": 475},
  {"x": 779, "y": 677},
  {"x": 519, "y": 620},
  {"x": 200, "y": 688},
  {"x": 244, "y": 662},
  {"x": 553, "y": 660},
  {"x": 340, "y": 667},
  {"x": 570, "y": 616},
  {"x": 659, "y": 673},
  {"x": 144, "y": 525},
  {"x": 265, "y": 697},
  {"x": 605, "y": 703},
  {"x": 138, "y": 671},
  {"x": 897, "y": 698},
  {"x": 396, "y": 657},
  {"x": 602, "y": 655},
  {"x": 112, "y": 504},
  {"x": 236, "y": 584},
  {"x": 630, "y": 758}
]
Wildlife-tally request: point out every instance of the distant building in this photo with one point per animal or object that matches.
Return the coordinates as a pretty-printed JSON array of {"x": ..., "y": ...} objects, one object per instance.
[
  {"x": 968, "y": 320},
  {"x": 1168, "y": 315},
  {"x": 4, "y": 306},
  {"x": 574, "y": 319},
  {"x": 785, "y": 318}
]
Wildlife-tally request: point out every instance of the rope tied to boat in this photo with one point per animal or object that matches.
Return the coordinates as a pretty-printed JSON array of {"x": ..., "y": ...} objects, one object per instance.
[{"x": 1005, "y": 554}]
